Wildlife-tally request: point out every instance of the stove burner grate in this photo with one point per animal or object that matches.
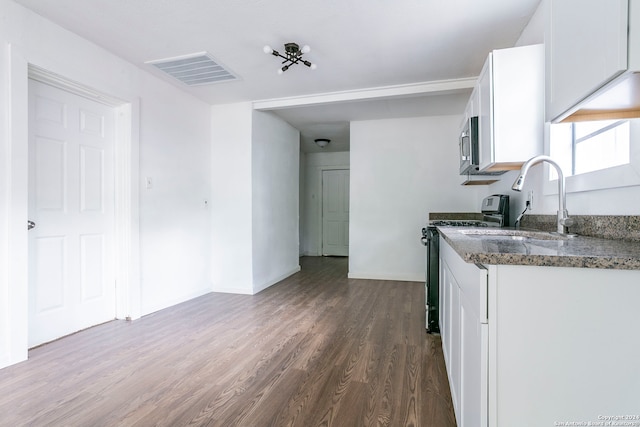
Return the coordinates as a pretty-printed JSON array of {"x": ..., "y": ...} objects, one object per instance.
[{"x": 458, "y": 223}]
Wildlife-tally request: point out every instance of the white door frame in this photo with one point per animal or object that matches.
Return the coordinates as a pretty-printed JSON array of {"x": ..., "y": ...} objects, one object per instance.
[
  {"x": 322, "y": 169},
  {"x": 14, "y": 281}
]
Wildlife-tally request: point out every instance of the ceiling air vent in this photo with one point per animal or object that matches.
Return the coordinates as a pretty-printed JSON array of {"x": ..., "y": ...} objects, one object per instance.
[{"x": 195, "y": 69}]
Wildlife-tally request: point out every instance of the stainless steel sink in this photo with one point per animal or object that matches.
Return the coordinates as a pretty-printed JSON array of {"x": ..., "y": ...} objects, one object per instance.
[{"x": 514, "y": 234}]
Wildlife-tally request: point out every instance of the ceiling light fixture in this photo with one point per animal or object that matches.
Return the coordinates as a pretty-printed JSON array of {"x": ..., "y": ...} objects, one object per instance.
[
  {"x": 322, "y": 142},
  {"x": 292, "y": 55}
]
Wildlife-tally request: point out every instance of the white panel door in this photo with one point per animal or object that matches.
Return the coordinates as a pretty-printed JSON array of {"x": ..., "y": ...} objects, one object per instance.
[
  {"x": 335, "y": 212},
  {"x": 71, "y": 200}
]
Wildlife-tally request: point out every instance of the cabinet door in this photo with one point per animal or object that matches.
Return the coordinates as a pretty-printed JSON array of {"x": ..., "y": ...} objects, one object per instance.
[
  {"x": 472, "y": 106},
  {"x": 450, "y": 332},
  {"x": 465, "y": 336},
  {"x": 471, "y": 109},
  {"x": 587, "y": 48},
  {"x": 445, "y": 312},
  {"x": 485, "y": 112},
  {"x": 511, "y": 106},
  {"x": 473, "y": 367}
]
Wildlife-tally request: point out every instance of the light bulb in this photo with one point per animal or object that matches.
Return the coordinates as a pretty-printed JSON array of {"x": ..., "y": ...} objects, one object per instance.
[
  {"x": 314, "y": 66},
  {"x": 267, "y": 49},
  {"x": 306, "y": 48},
  {"x": 280, "y": 71}
]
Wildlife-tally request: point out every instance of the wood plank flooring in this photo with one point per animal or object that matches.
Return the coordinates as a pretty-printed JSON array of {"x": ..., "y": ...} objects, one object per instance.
[{"x": 317, "y": 349}]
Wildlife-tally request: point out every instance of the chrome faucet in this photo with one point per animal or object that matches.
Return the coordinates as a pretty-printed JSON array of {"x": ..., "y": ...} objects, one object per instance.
[
  {"x": 526, "y": 208},
  {"x": 563, "y": 216}
]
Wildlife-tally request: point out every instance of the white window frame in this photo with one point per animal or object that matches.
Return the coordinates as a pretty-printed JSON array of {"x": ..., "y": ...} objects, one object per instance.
[{"x": 614, "y": 177}]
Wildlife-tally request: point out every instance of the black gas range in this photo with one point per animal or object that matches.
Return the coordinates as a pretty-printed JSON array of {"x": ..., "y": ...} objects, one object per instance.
[{"x": 495, "y": 213}]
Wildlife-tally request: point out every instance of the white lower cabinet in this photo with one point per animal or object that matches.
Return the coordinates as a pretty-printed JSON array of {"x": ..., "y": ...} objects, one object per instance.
[
  {"x": 540, "y": 346},
  {"x": 473, "y": 368},
  {"x": 464, "y": 336}
]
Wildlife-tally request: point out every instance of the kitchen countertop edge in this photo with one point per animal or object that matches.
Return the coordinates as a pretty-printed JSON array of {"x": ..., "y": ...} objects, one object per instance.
[{"x": 578, "y": 252}]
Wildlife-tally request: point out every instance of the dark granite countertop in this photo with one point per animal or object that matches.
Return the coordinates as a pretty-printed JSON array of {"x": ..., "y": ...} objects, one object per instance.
[{"x": 579, "y": 251}]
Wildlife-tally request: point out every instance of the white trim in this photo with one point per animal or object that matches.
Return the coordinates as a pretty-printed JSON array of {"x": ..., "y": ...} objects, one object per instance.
[
  {"x": 126, "y": 236},
  {"x": 307, "y": 253},
  {"x": 232, "y": 290},
  {"x": 127, "y": 212},
  {"x": 321, "y": 228},
  {"x": 321, "y": 169},
  {"x": 439, "y": 87},
  {"x": 13, "y": 330},
  {"x": 255, "y": 289},
  {"x": 60, "y": 82},
  {"x": 5, "y": 137},
  {"x": 627, "y": 175},
  {"x": 272, "y": 282},
  {"x": 176, "y": 301},
  {"x": 386, "y": 276}
]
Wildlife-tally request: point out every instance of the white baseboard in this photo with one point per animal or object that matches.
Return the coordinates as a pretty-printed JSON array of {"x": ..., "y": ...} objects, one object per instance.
[
  {"x": 308, "y": 253},
  {"x": 231, "y": 290},
  {"x": 386, "y": 276},
  {"x": 256, "y": 287},
  {"x": 175, "y": 301},
  {"x": 261, "y": 287}
]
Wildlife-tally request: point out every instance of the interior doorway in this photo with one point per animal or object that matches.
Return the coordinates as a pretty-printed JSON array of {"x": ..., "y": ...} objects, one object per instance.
[
  {"x": 71, "y": 203},
  {"x": 335, "y": 212}
]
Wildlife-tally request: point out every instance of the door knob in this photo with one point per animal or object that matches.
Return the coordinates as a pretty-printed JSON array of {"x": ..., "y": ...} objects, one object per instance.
[{"x": 30, "y": 225}]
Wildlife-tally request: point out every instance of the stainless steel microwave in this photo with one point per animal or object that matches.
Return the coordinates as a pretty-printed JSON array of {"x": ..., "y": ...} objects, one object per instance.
[{"x": 469, "y": 147}]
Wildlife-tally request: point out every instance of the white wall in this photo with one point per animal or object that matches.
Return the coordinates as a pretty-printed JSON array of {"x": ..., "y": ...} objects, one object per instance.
[
  {"x": 175, "y": 137},
  {"x": 301, "y": 200},
  {"x": 254, "y": 204},
  {"x": 401, "y": 169},
  {"x": 275, "y": 205},
  {"x": 173, "y": 140},
  {"x": 315, "y": 163},
  {"x": 533, "y": 33},
  {"x": 231, "y": 203}
]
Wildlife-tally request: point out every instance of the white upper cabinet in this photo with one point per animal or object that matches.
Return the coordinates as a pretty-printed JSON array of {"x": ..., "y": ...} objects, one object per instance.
[
  {"x": 472, "y": 110},
  {"x": 586, "y": 49},
  {"x": 511, "y": 107},
  {"x": 472, "y": 105}
]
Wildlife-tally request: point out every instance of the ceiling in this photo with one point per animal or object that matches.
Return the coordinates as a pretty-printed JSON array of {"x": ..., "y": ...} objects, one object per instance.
[{"x": 358, "y": 45}]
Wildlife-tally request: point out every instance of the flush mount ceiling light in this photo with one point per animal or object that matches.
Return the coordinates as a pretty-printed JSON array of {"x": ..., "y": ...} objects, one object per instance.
[
  {"x": 292, "y": 55},
  {"x": 322, "y": 142}
]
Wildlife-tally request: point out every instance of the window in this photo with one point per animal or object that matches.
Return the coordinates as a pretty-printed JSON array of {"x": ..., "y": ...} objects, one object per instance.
[
  {"x": 594, "y": 155},
  {"x": 583, "y": 147}
]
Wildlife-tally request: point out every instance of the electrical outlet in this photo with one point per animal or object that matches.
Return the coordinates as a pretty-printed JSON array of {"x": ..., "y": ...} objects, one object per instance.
[{"x": 530, "y": 199}]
